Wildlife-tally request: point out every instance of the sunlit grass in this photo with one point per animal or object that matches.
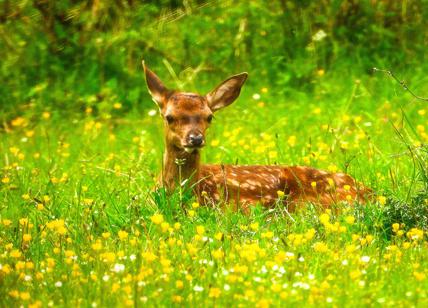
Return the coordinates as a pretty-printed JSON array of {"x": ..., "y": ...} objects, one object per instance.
[{"x": 80, "y": 223}]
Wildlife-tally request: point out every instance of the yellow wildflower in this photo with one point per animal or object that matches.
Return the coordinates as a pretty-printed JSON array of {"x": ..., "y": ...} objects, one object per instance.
[
  {"x": 350, "y": 220},
  {"x": 123, "y": 235},
  {"x": 214, "y": 293},
  {"x": 320, "y": 247},
  {"x": 381, "y": 200},
  {"x": 157, "y": 219},
  {"x": 254, "y": 226},
  {"x": 200, "y": 230}
]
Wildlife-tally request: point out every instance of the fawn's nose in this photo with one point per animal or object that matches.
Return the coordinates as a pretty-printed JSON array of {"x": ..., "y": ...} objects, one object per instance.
[{"x": 196, "y": 139}]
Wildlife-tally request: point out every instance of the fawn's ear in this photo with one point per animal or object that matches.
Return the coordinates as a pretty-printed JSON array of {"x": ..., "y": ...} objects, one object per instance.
[
  {"x": 156, "y": 88},
  {"x": 226, "y": 93}
]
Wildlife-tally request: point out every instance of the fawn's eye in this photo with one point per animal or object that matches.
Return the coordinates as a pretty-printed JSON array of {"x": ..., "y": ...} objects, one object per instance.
[
  {"x": 169, "y": 119},
  {"x": 210, "y": 118}
]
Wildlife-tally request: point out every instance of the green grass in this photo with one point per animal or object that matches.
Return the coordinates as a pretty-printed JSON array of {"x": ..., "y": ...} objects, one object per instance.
[{"x": 80, "y": 183}]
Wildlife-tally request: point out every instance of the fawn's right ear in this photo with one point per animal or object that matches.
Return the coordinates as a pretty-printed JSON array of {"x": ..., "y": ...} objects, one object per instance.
[{"x": 156, "y": 88}]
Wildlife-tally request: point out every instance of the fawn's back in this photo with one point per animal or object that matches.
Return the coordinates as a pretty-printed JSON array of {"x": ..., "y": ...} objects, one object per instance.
[{"x": 267, "y": 185}]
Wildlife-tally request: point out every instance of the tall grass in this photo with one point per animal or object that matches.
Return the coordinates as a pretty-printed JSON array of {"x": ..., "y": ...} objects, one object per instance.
[{"x": 81, "y": 148}]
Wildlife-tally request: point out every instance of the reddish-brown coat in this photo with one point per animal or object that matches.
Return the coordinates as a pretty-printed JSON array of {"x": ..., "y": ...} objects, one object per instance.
[{"x": 248, "y": 185}]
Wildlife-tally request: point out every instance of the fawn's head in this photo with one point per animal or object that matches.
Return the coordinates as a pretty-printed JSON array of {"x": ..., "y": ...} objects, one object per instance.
[{"x": 188, "y": 115}]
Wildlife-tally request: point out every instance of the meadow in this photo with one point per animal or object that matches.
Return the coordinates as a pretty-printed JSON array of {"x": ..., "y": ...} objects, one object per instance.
[{"x": 81, "y": 148}]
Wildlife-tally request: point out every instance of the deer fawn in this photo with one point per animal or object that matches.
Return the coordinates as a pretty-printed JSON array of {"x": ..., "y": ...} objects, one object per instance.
[{"x": 188, "y": 115}]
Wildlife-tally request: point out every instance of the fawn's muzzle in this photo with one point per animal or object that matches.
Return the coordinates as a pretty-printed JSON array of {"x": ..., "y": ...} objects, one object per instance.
[{"x": 196, "y": 140}]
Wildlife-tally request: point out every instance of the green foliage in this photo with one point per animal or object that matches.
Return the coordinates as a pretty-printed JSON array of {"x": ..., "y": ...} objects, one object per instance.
[{"x": 64, "y": 53}]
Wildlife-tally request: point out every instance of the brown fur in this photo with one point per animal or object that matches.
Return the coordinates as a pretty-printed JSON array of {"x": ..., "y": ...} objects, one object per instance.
[{"x": 188, "y": 114}]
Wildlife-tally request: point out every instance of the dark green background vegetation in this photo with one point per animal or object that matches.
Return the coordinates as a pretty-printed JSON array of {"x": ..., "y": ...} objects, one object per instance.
[{"x": 70, "y": 54}]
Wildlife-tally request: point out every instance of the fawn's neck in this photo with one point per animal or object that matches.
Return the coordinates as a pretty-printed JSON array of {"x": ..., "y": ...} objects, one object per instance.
[{"x": 178, "y": 165}]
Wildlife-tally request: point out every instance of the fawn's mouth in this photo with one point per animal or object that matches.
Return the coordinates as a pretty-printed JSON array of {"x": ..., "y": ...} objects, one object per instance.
[{"x": 192, "y": 148}]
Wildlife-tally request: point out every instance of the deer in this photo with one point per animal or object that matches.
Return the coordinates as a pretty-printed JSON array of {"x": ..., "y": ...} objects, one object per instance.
[{"x": 187, "y": 117}]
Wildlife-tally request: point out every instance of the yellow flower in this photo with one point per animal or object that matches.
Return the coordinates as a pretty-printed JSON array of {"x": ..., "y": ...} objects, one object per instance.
[
  {"x": 19, "y": 121},
  {"x": 320, "y": 247},
  {"x": 157, "y": 219},
  {"x": 46, "y": 115},
  {"x": 88, "y": 201},
  {"x": 354, "y": 274},
  {"x": 97, "y": 246},
  {"x": 395, "y": 227},
  {"x": 195, "y": 205},
  {"x": 6, "y": 222},
  {"x": 218, "y": 254},
  {"x": 381, "y": 200},
  {"x": 26, "y": 196},
  {"x": 280, "y": 193},
  {"x": 19, "y": 265},
  {"x": 200, "y": 230},
  {"x": 214, "y": 293},
  {"x": 291, "y": 141},
  {"x": 123, "y": 235},
  {"x": 148, "y": 256},
  {"x": 254, "y": 226},
  {"x": 6, "y": 269},
  {"x": 25, "y": 296},
  {"x": 215, "y": 142},
  {"x": 26, "y": 237},
  {"x": 419, "y": 276},
  {"x": 15, "y": 254},
  {"x": 314, "y": 184},
  {"x": 117, "y": 105},
  {"x": 177, "y": 298},
  {"x": 267, "y": 234},
  {"x": 310, "y": 234},
  {"x": 115, "y": 286},
  {"x": 5, "y": 180},
  {"x": 324, "y": 218},
  {"x": 415, "y": 234},
  {"x": 108, "y": 257},
  {"x": 350, "y": 219},
  {"x": 218, "y": 236},
  {"x": 406, "y": 245},
  {"x": 179, "y": 284},
  {"x": 165, "y": 226}
]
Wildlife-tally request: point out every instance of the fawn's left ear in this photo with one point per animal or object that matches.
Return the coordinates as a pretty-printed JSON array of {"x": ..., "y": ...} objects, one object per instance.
[
  {"x": 156, "y": 88},
  {"x": 227, "y": 92}
]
